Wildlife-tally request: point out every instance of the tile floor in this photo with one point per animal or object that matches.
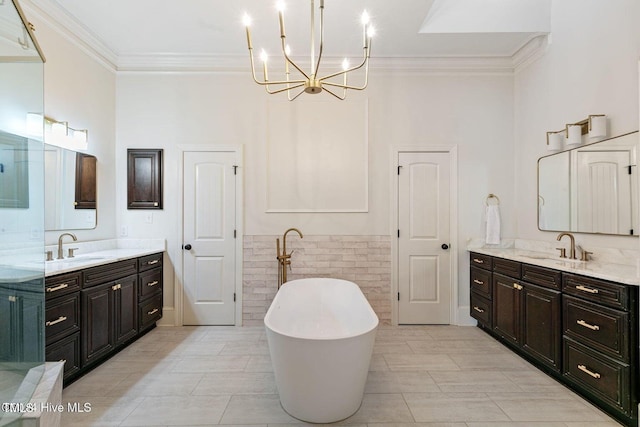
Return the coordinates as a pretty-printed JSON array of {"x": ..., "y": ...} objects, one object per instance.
[{"x": 431, "y": 376}]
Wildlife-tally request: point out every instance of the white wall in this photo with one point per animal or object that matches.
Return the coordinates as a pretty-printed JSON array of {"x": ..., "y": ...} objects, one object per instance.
[
  {"x": 591, "y": 67},
  {"x": 78, "y": 89},
  {"x": 474, "y": 112}
]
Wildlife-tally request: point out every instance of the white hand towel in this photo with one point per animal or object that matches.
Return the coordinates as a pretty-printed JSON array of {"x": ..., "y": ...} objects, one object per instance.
[{"x": 493, "y": 225}]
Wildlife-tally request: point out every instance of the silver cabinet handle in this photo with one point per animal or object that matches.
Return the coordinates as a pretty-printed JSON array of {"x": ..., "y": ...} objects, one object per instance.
[
  {"x": 478, "y": 309},
  {"x": 155, "y": 282},
  {"x": 587, "y": 289},
  {"x": 479, "y": 282},
  {"x": 58, "y": 320},
  {"x": 155, "y": 261},
  {"x": 154, "y": 311},
  {"x": 57, "y": 288},
  {"x": 587, "y": 325},
  {"x": 479, "y": 261},
  {"x": 584, "y": 369}
]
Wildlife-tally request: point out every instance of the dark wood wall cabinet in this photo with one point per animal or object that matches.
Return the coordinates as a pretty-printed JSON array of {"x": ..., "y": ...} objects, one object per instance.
[
  {"x": 580, "y": 330},
  {"x": 93, "y": 313},
  {"x": 144, "y": 179}
]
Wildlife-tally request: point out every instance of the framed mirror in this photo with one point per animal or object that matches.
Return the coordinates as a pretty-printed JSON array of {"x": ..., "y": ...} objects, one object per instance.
[
  {"x": 70, "y": 189},
  {"x": 591, "y": 188}
]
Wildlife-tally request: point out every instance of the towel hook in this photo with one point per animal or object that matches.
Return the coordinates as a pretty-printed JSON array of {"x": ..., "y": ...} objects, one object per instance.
[{"x": 491, "y": 196}]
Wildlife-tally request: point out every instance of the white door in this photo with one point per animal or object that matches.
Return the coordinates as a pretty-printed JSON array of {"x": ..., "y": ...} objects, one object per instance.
[
  {"x": 424, "y": 264},
  {"x": 209, "y": 238},
  {"x": 604, "y": 192}
]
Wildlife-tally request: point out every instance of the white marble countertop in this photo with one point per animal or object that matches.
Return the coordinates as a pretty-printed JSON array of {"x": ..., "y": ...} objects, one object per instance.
[
  {"x": 94, "y": 259},
  {"x": 621, "y": 273}
]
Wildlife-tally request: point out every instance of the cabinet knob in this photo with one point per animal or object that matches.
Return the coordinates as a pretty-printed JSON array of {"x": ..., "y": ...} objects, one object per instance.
[
  {"x": 186, "y": 247},
  {"x": 445, "y": 246}
]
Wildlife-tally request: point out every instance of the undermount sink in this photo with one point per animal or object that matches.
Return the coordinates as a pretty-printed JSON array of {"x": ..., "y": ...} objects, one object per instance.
[
  {"x": 77, "y": 260},
  {"x": 552, "y": 258}
]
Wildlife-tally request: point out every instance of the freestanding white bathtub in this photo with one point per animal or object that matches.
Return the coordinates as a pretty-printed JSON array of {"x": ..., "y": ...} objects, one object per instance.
[{"x": 321, "y": 334}]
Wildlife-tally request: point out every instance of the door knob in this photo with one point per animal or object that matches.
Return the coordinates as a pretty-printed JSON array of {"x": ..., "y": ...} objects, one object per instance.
[
  {"x": 445, "y": 246},
  {"x": 186, "y": 247}
]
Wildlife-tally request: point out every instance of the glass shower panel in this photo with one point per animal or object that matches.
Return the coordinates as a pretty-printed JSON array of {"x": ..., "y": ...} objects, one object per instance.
[{"x": 21, "y": 213}]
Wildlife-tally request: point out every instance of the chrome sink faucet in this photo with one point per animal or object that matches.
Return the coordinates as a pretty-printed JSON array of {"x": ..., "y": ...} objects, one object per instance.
[
  {"x": 73, "y": 236},
  {"x": 572, "y": 248}
]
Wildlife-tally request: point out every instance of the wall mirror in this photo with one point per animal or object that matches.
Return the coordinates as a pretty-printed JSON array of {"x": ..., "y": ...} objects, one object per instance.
[
  {"x": 591, "y": 188},
  {"x": 14, "y": 171},
  {"x": 70, "y": 189}
]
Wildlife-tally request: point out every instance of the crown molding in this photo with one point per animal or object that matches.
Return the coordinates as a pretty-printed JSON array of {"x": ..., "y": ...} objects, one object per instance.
[
  {"x": 64, "y": 24},
  {"x": 70, "y": 29}
]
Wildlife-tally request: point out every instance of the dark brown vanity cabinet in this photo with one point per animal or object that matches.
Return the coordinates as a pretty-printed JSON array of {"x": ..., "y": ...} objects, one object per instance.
[
  {"x": 150, "y": 291},
  {"x": 528, "y": 316},
  {"x": 109, "y": 316},
  {"x": 582, "y": 331},
  {"x": 601, "y": 341},
  {"x": 94, "y": 312},
  {"x": 63, "y": 321}
]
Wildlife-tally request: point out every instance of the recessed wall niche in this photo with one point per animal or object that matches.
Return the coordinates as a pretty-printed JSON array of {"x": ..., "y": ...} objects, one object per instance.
[
  {"x": 144, "y": 178},
  {"x": 317, "y": 156}
]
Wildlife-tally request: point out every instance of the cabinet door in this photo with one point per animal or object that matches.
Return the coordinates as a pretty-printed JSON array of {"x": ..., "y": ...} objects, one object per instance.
[
  {"x": 97, "y": 322},
  {"x": 541, "y": 325},
  {"x": 506, "y": 308},
  {"x": 126, "y": 309},
  {"x": 144, "y": 179}
]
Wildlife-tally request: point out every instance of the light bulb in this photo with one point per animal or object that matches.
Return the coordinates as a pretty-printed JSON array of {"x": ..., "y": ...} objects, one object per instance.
[
  {"x": 246, "y": 20},
  {"x": 345, "y": 64},
  {"x": 371, "y": 31},
  {"x": 280, "y": 6},
  {"x": 287, "y": 50},
  {"x": 263, "y": 56},
  {"x": 365, "y": 18}
]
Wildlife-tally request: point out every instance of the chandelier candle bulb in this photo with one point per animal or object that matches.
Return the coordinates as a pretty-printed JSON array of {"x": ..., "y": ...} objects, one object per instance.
[{"x": 246, "y": 19}]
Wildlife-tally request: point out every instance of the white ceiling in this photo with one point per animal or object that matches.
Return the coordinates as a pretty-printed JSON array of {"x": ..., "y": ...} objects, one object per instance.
[{"x": 145, "y": 30}]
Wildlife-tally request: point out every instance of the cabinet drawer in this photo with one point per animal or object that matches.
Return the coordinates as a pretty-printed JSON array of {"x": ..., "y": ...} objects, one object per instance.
[
  {"x": 67, "y": 350},
  {"x": 542, "y": 276},
  {"x": 480, "y": 282},
  {"x": 150, "y": 261},
  {"x": 150, "y": 311},
  {"x": 599, "y": 327},
  {"x": 610, "y": 294},
  {"x": 105, "y": 273},
  {"x": 481, "y": 261},
  {"x": 507, "y": 267},
  {"x": 597, "y": 374},
  {"x": 62, "y": 317},
  {"x": 62, "y": 284},
  {"x": 149, "y": 283},
  {"x": 481, "y": 309}
]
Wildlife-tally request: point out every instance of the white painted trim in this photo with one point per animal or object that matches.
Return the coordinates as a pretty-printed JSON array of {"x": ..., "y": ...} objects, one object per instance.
[
  {"x": 453, "y": 228},
  {"x": 239, "y": 224},
  {"x": 91, "y": 44}
]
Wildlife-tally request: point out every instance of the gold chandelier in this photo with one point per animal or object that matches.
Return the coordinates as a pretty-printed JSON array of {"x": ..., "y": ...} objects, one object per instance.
[{"x": 310, "y": 82}]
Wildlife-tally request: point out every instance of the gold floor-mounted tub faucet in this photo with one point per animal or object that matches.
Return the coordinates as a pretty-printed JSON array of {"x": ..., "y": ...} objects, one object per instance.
[{"x": 284, "y": 258}]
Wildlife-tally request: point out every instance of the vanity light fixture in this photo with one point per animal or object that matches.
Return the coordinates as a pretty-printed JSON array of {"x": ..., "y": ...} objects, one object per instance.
[
  {"x": 595, "y": 125},
  {"x": 573, "y": 134},
  {"x": 555, "y": 140},
  {"x": 63, "y": 135},
  {"x": 310, "y": 81}
]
